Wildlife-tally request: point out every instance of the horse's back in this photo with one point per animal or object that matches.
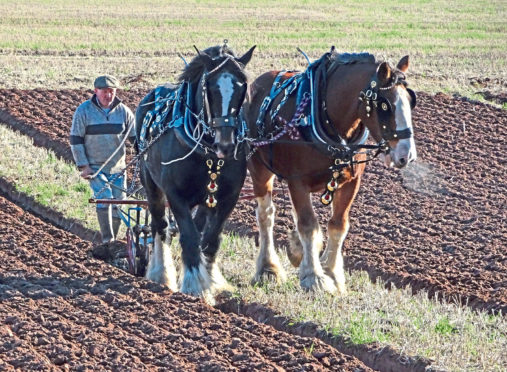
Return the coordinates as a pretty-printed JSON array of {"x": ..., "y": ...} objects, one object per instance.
[
  {"x": 141, "y": 111},
  {"x": 147, "y": 102},
  {"x": 261, "y": 87}
]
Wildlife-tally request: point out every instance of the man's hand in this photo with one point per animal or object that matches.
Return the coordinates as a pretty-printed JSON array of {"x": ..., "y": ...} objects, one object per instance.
[{"x": 86, "y": 172}]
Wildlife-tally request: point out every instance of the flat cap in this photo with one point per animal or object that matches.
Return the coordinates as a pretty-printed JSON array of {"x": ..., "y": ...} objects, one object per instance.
[{"x": 106, "y": 81}]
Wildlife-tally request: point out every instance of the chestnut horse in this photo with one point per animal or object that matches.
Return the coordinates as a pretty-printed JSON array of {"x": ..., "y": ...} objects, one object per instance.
[{"x": 309, "y": 129}]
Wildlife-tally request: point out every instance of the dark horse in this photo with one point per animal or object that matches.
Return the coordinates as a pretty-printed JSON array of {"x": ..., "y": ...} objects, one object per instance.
[
  {"x": 197, "y": 161},
  {"x": 310, "y": 129}
]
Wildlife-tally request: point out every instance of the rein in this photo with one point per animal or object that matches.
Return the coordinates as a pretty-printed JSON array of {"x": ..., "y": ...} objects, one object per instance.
[{"x": 332, "y": 145}]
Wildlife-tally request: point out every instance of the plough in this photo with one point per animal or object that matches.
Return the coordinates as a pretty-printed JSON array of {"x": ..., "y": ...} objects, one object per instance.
[{"x": 138, "y": 236}]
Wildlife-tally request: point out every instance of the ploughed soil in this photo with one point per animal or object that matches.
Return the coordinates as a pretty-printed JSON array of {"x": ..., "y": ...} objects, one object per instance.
[
  {"x": 439, "y": 225},
  {"x": 60, "y": 309}
]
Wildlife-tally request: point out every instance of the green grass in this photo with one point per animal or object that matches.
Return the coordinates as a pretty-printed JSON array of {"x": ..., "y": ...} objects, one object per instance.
[
  {"x": 455, "y": 337},
  {"x": 66, "y": 44},
  {"x": 42, "y": 175}
]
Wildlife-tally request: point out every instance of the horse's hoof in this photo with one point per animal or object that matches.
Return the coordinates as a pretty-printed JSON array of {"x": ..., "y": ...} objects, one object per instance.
[
  {"x": 314, "y": 282},
  {"x": 162, "y": 278},
  {"x": 197, "y": 282},
  {"x": 340, "y": 284},
  {"x": 272, "y": 274},
  {"x": 205, "y": 295}
]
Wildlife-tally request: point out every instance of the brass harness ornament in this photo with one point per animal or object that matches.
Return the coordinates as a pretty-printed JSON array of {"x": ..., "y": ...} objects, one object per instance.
[
  {"x": 212, "y": 187},
  {"x": 327, "y": 196}
]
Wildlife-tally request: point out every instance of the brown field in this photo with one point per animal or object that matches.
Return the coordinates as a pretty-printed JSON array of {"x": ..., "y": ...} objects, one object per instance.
[{"x": 439, "y": 225}]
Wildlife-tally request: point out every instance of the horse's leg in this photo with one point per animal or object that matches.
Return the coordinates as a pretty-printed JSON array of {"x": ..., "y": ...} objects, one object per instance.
[
  {"x": 160, "y": 265},
  {"x": 338, "y": 227},
  {"x": 295, "y": 248},
  {"x": 200, "y": 216},
  {"x": 268, "y": 262},
  {"x": 311, "y": 274},
  {"x": 195, "y": 279},
  {"x": 211, "y": 238}
]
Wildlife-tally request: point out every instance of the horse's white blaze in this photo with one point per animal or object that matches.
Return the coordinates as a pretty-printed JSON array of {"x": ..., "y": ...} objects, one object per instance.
[
  {"x": 160, "y": 266},
  {"x": 226, "y": 87},
  {"x": 405, "y": 149},
  {"x": 333, "y": 256},
  {"x": 267, "y": 259},
  {"x": 197, "y": 282}
]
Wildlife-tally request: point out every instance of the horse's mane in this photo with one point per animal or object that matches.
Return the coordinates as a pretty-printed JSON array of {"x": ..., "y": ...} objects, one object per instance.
[
  {"x": 338, "y": 59},
  {"x": 350, "y": 58},
  {"x": 194, "y": 70}
]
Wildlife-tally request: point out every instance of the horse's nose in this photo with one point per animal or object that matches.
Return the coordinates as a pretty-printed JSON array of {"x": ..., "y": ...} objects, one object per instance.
[
  {"x": 223, "y": 150},
  {"x": 403, "y": 162}
]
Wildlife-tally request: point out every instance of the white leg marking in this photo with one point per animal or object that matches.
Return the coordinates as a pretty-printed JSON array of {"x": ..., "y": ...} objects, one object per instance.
[
  {"x": 160, "y": 266},
  {"x": 218, "y": 282},
  {"x": 197, "y": 282},
  {"x": 332, "y": 258},
  {"x": 268, "y": 260},
  {"x": 311, "y": 274}
]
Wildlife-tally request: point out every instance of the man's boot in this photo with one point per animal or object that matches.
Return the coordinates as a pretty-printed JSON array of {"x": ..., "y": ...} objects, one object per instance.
[
  {"x": 105, "y": 223},
  {"x": 115, "y": 214},
  {"x": 116, "y": 226}
]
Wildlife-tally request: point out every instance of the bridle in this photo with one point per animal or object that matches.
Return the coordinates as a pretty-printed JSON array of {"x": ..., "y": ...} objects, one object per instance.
[
  {"x": 372, "y": 96},
  {"x": 214, "y": 122}
]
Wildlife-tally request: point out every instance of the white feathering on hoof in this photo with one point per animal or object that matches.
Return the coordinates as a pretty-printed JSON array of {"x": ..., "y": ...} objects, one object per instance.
[
  {"x": 268, "y": 261},
  {"x": 218, "y": 282},
  {"x": 312, "y": 282},
  {"x": 197, "y": 282},
  {"x": 311, "y": 273},
  {"x": 332, "y": 259},
  {"x": 160, "y": 266}
]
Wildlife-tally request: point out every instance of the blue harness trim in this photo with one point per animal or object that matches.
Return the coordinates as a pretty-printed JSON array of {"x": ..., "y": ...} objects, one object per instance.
[
  {"x": 304, "y": 83},
  {"x": 166, "y": 99}
]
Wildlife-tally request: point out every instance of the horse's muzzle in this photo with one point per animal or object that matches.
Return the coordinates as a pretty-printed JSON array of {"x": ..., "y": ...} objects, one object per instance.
[
  {"x": 402, "y": 155},
  {"x": 224, "y": 151},
  {"x": 225, "y": 142}
]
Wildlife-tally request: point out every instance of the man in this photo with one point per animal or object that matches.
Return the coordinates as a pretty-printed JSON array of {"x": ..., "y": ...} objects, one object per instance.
[{"x": 97, "y": 142}]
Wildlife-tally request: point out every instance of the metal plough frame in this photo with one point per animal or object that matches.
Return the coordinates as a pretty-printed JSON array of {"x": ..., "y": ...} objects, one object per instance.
[{"x": 139, "y": 237}]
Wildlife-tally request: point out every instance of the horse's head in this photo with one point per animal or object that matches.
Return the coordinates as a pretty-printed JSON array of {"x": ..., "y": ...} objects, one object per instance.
[
  {"x": 387, "y": 112},
  {"x": 222, "y": 90}
]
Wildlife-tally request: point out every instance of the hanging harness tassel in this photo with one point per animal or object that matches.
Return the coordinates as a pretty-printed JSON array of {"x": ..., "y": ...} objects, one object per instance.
[
  {"x": 327, "y": 196},
  {"x": 212, "y": 187}
]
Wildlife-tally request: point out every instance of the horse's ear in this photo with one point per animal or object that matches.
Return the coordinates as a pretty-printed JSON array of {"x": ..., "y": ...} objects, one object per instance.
[
  {"x": 403, "y": 64},
  {"x": 207, "y": 61},
  {"x": 384, "y": 73},
  {"x": 245, "y": 58}
]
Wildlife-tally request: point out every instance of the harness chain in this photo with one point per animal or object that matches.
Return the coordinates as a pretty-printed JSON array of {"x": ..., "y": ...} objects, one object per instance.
[{"x": 342, "y": 153}]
